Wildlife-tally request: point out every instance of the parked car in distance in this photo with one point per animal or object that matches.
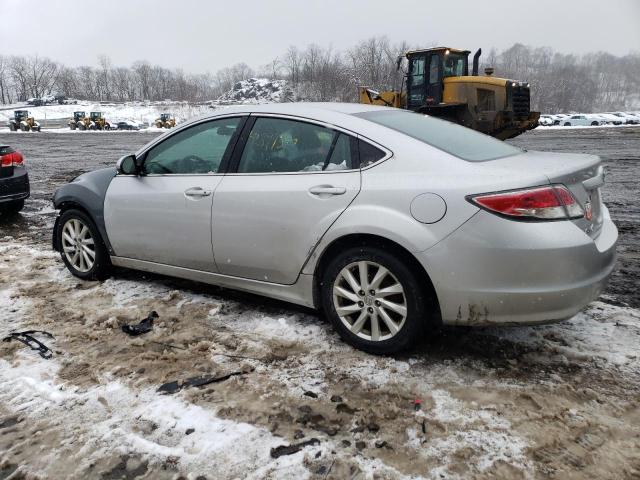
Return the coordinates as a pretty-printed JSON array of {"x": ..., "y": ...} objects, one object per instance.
[
  {"x": 559, "y": 117},
  {"x": 546, "y": 120},
  {"x": 388, "y": 221},
  {"x": 612, "y": 119},
  {"x": 596, "y": 119},
  {"x": 627, "y": 119},
  {"x": 128, "y": 125},
  {"x": 14, "y": 180},
  {"x": 581, "y": 120}
]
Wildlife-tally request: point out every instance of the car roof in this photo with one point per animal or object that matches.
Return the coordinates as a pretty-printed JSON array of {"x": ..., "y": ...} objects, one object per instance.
[
  {"x": 298, "y": 108},
  {"x": 329, "y": 112}
]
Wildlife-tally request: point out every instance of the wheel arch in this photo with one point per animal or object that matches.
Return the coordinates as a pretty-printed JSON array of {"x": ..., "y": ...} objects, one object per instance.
[
  {"x": 371, "y": 240},
  {"x": 87, "y": 193}
]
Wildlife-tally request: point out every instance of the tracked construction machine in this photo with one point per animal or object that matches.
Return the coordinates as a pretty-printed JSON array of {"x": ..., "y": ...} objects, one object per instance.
[{"x": 437, "y": 82}]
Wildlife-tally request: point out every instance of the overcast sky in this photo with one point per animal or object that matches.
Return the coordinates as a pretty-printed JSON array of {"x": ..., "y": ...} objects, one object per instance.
[{"x": 200, "y": 36}]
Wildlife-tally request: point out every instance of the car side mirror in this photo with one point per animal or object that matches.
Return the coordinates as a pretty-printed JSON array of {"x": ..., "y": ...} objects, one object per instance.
[{"x": 129, "y": 165}]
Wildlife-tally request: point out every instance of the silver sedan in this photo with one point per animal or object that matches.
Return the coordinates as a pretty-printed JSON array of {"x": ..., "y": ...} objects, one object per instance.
[{"x": 389, "y": 222}]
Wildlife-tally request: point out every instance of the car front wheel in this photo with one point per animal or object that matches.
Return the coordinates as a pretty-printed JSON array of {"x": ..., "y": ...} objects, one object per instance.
[
  {"x": 374, "y": 300},
  {"x": 81, "y": 246}
]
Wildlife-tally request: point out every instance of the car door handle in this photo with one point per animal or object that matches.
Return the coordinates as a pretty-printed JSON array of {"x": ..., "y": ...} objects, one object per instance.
[
  {"x": 327, "y": 190},
  {"x": 197, "y": 192}
]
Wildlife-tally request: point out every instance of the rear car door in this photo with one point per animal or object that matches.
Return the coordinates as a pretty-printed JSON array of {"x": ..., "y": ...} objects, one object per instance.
[
  {"x": 164, "y": 215},
  {"x": 291, "y": 180}
]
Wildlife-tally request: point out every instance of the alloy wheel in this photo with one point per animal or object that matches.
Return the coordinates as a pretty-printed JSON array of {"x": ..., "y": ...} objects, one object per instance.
[
  {"x": 78, "y": 245},
  {"x": 370, "y": 301}
]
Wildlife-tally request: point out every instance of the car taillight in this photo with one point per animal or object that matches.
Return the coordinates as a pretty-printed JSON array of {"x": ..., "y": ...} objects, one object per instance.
[
  {"x": 554, "y": 202},
  {"x": 13, "y": 159}
]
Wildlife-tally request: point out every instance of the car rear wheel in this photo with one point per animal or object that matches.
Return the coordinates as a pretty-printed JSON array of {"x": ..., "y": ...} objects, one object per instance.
[
  {"x": 374, "y": 300},
  {"x": 567, "y": 124},
  {"x": 81, "y": 246},
  {"x": 594, "y": 124}
]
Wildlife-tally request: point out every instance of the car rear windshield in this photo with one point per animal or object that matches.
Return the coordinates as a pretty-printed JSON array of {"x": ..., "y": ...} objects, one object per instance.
[{"x": 460, "y": 141}]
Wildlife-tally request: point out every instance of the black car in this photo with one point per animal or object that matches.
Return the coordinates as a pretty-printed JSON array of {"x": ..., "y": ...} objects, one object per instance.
[
  {"x": 128, "y": 125},
  {"x": 14, "y": 180}
]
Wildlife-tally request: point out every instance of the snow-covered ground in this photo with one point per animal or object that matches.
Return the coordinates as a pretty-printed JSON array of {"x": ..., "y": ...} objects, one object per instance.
[
  {"x": 496, "y": 403},
  {"x": 114, "y": 113}
]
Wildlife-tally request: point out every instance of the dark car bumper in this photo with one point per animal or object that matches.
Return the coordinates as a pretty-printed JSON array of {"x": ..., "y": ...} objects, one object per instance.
[{"x": 15, "y": 186}]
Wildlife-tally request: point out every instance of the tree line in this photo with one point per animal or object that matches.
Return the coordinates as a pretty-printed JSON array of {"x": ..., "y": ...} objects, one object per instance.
[{"x": 559, "y": 82}]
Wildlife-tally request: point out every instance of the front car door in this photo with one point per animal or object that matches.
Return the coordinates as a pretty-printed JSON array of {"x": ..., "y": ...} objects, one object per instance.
[
  {"x": 292, "y": 180},
  {"x": 164, "y": 214}
]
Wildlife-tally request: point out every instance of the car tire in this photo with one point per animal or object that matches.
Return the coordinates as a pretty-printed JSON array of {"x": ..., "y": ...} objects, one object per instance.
[
  {"x": 12, "y": 208},
  {"x": 354, "y": 313},
  {"x": 567, "y": 124},
  {"x": 594, "y": 124},
  {"x": 77, "y": 244}
]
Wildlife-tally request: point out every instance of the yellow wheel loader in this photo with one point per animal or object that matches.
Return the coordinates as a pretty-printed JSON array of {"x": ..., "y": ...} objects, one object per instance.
[
  {"x": 98, "y": 122},
  {"x": 79, "y": 121},
  {"x": 437, "y": 83},
  {"x": 166, "y": 120},
  {"x": 23, "y": 121}
]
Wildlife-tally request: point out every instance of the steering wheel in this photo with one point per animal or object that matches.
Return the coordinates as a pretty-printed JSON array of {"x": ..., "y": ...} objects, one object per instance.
[
  {"x": 196, "y": 164},
  {"x": 157, "y": 166}
]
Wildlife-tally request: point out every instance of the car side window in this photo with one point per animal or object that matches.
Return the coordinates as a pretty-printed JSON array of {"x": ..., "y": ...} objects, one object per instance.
[
  {"x": 281, "y": 146},
  {"x": 369, "y": 154},
  {"x": 196, "y": 150}
]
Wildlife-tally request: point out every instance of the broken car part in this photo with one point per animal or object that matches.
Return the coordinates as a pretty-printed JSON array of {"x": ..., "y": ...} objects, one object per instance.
[
  {"x": 143, "y": 327},
  {"x": 27, "y": 338}
]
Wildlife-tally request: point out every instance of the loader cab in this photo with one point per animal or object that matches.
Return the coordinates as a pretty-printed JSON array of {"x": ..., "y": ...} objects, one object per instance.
[
  {"x": 78, "y": 115},
  {"x": 426, "y": 70},
  {"x": 95, "y": 116},
  {"x": 20, "y": 115},
  {"x": 165, "y": 117}
]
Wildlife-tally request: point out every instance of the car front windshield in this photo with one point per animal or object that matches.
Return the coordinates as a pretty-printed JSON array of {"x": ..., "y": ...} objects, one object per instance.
[{"x": 457, "y": 140}]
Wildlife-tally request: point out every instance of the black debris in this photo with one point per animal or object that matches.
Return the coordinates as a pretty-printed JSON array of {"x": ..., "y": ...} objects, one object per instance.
[
  {"x": 381, "y": 443},
  {"x": 360, "y": 445},
  {"x": 175, "y": 386},
  {"x": 298, "y": 434},
  {"x": 311, "y": 394},
  {"x": 346, "y": 443},
  {"x": 143, "y": 327},
  {"x": 424, "y": 426},
  {"x": 291, "y": 449},
  {"x": 30, "y": 341},
  {"x": 373, "y": 427},
  {"x": 336, "y": 399},
  {"x": 189, "y": 431},
  {"x": 344, "y": 408}
]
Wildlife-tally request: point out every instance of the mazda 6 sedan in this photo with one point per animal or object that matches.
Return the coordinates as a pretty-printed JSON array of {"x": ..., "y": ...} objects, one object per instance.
[{"x": 387, "y": 221}]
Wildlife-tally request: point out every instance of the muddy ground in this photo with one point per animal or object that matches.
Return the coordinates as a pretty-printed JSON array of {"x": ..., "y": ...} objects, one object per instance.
[{"x": 558, "y": 401}]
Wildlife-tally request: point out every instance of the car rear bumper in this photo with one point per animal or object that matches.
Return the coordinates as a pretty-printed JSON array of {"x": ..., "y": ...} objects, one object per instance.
[
  {"x": 490, "y": 272},
  {"x": 14, "y": 187}
]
